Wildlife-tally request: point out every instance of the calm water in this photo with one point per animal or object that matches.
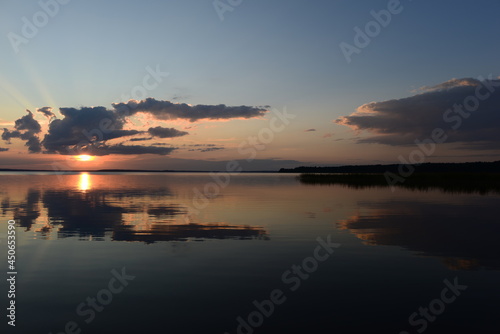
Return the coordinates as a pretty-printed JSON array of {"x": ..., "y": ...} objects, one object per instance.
[{"x": 199, "y": 264}]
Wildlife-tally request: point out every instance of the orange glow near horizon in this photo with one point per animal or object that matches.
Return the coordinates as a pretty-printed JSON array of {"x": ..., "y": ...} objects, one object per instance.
[{"x": 84, "y": 157}]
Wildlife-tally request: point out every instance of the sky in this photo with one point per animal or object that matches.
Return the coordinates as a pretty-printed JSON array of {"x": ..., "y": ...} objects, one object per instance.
[{"x": 198, "y": 84}]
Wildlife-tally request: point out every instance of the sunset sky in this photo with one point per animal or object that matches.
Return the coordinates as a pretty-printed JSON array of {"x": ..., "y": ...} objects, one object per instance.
[{"x": 210, "y": 82}]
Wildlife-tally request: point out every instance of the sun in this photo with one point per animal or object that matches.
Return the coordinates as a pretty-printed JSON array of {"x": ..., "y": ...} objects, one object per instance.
[{"x": 84, "y": 157}]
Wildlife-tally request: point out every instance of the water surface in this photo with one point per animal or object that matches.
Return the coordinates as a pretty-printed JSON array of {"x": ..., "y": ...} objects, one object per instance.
[{"x": 200, "y": 263}]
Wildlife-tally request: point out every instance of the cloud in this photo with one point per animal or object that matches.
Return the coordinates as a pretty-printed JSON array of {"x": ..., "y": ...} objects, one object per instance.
[
  {"x": 327, "y": 135},
  {"x": 166, "y": 110},
  {"x": 88, "y": 129},
  {"x": 28, "y": 123},
  {"x": 33, "y": 144},
  {"x": 210, "y": 149},
  {"x": 2, "y": 149},
  {"x": 452, "y": 83},
  {"x": 141, "y": 139},
  {"x": 8, "y": 135},
  {"x": 166, "y": 132},
  {"x": 47, "y": 112},
  {"x": 180, "y": 97},
  {"x": 309, "y": 130},
  {"x": 204, "y": 147},
  {"x": 26, "y": 128},
  {"x": 402, "y": 121},
  {"x": 78, "y": 127},
  {"x": 207, "y": 149}
]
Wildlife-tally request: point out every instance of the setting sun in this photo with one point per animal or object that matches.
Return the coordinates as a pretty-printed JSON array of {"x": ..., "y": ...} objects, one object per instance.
[{"x": 84, "y": 157}]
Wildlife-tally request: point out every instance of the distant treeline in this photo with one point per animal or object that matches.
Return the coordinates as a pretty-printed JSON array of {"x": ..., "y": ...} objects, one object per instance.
[
  {"x": 464, "y": 167},
  {"x": 482, "y": 183}
]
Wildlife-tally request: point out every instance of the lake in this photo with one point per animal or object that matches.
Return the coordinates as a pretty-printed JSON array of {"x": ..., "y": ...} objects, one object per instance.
[{"x": 247, "y": 253}]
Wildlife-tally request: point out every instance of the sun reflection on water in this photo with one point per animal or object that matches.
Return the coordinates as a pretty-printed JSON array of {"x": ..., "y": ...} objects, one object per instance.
[{"x": 84, "y": 183}]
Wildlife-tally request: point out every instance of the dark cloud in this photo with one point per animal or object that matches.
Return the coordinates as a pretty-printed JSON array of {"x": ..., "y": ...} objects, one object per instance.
[
  {"x": 28, "y": 123},
  {"x": 86, "y": 130},
  {"x": 166, "y": 110},
  {"x": 26, "y": 128},
  {"x": 8, "y": 135},
  {"x": 34, "y": 145},
  {"x": 141, "y": 139},
  {"x": 180, "y": 97},
  {"x": 309, "y": 130},
  {"x": 204, "y": 147},
  {"x": 2, "y": 149},
  {"x": 212, "y": 149},
  {"x": 402, "y": 121},
  {"x": 166, "y": 132},
  {"x": 82, "y": 128},
  {"x": 47, "y": 112},
  {"x": 207, "y": 149}
]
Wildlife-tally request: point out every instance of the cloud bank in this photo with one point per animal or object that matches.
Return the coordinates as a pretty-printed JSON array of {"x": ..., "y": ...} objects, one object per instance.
[
  {"x": 166, "y": 110},
  {"x": 467, "y": 109},
  {"x": 87, "y": 130}
]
